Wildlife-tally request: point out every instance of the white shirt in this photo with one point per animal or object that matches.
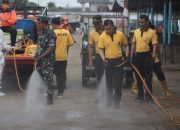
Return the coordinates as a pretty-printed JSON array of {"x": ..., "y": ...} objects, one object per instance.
[{"x": 2, "y": 46}]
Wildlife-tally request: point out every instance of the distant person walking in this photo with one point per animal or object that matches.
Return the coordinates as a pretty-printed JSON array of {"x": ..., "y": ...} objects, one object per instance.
[{"x": 65, "y": 24}]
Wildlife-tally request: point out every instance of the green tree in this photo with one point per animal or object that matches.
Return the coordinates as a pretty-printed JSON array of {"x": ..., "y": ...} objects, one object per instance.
[
  {"x": 51, "y": 5},
  {"x": 32, "y": 4},
  {"x": 60, "y": 8}
]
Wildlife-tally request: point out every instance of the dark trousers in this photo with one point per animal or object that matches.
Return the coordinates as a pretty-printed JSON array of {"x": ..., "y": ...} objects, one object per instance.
[
  {"x": 99, "y": 67},
  {"x": 13, "y": 33},
  {"x": 60, "y": 73},
  {"x": 158, "y": 71},
  {"x": 114, "y": 74},
  {"x": 46, "y": 71},
  {"x": 144, "y": 65}
]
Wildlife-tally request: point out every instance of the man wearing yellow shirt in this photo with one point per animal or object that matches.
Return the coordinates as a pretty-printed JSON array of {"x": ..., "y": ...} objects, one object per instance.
[
  {"x": 142, "y": 38},
  {"x": 110, "y": 43},
  {"x": 92, "y": 46},
  {"x": 63, "y": 41},
  {"x": 158, "y": 70}
]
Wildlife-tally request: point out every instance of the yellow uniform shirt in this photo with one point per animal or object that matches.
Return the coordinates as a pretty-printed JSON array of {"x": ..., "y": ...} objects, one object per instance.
[
  {"x": 63, "y": 41},
  {"x": 112, "y": 47},
  {"x": 93, "y": 39},
  {"x": 142, "y": 42}
]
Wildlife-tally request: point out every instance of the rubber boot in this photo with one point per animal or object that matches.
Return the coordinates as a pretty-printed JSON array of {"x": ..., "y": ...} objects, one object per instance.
[
  {"x": 49, "y": 100},
  {"x": 165, "y": 88},
  {"x": 135, "y": 89}
]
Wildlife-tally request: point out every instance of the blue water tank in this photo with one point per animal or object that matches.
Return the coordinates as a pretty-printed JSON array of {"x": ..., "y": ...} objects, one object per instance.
[{"x": 27, "y": 24}]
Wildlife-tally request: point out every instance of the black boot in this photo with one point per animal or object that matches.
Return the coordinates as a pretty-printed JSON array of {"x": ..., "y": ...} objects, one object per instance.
[{"x": 49, "y": 100}]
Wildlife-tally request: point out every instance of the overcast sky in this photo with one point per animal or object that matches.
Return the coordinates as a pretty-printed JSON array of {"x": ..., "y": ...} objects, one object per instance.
[{"x": 62, "y": 3}]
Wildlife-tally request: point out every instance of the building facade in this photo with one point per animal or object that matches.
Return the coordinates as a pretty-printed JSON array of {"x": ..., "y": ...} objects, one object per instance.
[{"x": 96, "y": 5}]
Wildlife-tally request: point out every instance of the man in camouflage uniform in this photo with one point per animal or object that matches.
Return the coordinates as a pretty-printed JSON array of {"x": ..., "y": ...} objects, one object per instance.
[{"x": 45, "y": 56}]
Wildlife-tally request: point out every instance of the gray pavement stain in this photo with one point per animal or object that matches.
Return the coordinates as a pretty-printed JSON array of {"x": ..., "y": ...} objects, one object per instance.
[{"x": 73, "y": 115}]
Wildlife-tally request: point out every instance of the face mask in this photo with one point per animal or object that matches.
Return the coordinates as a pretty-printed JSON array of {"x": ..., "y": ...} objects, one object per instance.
[{"x": 5, "y": 6}]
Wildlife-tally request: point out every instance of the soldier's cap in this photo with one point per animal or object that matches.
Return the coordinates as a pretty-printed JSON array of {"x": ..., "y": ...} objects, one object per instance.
[
  {"x": 43, "y": 19},
  {"x": 56, "y": 20},
  {"x": 5, "y": 1},
  {"x": 97, "y": 19}
]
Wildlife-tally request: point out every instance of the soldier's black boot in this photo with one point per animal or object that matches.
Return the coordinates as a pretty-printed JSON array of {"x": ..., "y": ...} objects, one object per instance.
[{"x": 49, "y": 100}]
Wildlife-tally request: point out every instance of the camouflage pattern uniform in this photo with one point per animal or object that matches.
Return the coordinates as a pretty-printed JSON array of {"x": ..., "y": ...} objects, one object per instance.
[{"x": 45, "y": 65}]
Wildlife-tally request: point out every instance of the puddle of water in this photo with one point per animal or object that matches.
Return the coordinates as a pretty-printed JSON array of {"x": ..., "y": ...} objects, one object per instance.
[
  {"x": 71, "y": 115},
  {"x": 76, "y": 128}
]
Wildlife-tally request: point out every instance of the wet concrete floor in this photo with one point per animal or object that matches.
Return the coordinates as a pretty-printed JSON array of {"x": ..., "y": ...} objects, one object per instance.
[{"x": 79, "y": 111}]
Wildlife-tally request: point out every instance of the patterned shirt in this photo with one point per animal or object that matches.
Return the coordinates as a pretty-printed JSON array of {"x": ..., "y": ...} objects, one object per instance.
[{"x": 46, "y": 39}]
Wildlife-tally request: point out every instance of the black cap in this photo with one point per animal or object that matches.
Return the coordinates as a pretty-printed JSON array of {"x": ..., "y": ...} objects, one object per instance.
[
  {"x": 56, "y": 21},
  {"x": 5, "y": 1},
  {"x": 97, "y": 19}
]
